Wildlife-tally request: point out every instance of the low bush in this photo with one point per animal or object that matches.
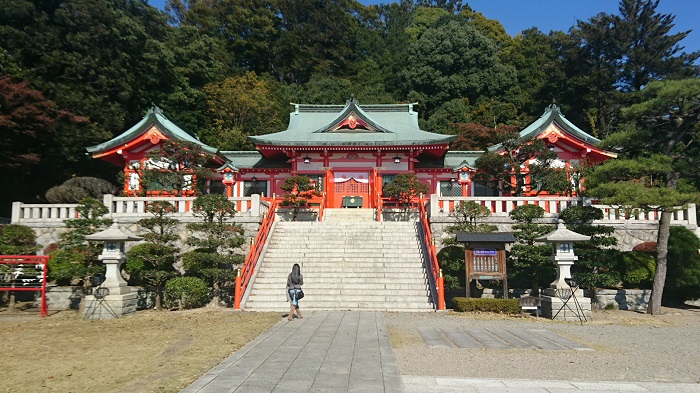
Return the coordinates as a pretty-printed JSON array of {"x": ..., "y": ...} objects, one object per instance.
[
  {"x": 638, "y": 269},
  {"x": 501, "y": 306},
  {"x": 186, "y": 292}
]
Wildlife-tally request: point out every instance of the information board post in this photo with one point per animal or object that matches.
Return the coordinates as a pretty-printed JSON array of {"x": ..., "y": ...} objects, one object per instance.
[{"x": 485, "y": 257}]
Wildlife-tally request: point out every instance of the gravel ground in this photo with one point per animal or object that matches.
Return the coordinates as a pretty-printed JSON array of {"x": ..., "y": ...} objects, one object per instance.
[{"x": 628, "y": 346}]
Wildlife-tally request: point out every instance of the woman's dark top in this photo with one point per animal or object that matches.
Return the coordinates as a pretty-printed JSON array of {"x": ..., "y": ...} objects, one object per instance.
[{"x": 294, "y": 285}]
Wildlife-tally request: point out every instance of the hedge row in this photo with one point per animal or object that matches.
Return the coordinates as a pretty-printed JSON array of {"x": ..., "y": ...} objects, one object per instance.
[{"x": 503, "y": 306}]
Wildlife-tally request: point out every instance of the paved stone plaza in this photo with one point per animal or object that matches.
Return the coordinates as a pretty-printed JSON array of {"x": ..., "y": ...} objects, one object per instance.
[{"x": 350, "y": 351}]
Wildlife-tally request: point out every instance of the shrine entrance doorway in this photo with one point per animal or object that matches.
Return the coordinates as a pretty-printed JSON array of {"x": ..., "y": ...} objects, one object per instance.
[{"x": 351, "y": 190}]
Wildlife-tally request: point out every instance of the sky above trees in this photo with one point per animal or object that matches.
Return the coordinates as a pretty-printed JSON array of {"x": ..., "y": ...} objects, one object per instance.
[{"x": 546, "y": 15}]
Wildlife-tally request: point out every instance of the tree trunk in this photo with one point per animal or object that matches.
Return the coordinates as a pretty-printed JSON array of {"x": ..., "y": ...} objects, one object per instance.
[
  {"x": 654, "y": 307},
  {"x": 159, "y": 304}
]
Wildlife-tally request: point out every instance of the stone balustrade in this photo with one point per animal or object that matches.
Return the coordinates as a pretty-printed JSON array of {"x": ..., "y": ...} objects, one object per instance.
[
  {"x": 123, "y": 209},
  {"x": 500, "y": 207}
]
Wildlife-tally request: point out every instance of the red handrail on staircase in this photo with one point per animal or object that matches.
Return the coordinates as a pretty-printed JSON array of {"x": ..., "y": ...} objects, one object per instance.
[
  {"x": 244, "y": 274},
  {"x": 432, "y": 256}
]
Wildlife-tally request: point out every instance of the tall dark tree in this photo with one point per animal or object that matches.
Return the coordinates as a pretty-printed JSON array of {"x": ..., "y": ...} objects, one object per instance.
[
  {"x": 31, "y": 126},
  {"x": 315, "y": 37},
  {"x": 650, "y": 52},
  {"x": 660, "y": 153},
  {"x": 452, "y": 61}
]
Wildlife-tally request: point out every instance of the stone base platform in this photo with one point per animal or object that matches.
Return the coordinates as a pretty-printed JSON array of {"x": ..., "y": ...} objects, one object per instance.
[
  {"x": 111, "y": 306},
  {"x": 555, "y": 305}
]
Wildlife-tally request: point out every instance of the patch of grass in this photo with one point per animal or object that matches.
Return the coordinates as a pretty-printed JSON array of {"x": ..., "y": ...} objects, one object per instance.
[{"x": 145, "y": 352}]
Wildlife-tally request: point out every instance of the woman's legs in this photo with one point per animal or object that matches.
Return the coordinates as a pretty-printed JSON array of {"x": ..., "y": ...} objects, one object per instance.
[
  {"x": 299, "y": 312},
  {"x": 293, "y": 299}
]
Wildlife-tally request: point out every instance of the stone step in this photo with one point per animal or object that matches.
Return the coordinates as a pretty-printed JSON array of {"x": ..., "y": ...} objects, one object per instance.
[
  {"x": 387, "y": 295},
  {"x": 316, "y": 260},
  {"x": 347, "y": 305},
  {"x": 323, "y": 263},
  {"x": 339, "y": 285},
  {"x": 346, "y": 253},
  {"x": 343, "y": 278},
  {"x": 347, "y": 265}
]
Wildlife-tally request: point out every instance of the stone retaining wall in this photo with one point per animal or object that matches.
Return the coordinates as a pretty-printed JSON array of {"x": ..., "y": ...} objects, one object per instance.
[
  {"x": 627, "y": 235},
  {"x": 50, "y": 234},
  {"x": 622, "y": 299}
]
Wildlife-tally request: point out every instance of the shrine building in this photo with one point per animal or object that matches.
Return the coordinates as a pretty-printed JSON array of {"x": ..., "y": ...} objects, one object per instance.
[{"x": 346, "y": 150}]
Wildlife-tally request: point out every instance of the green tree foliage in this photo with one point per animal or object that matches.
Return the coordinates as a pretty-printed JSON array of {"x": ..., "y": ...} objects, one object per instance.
[
  {"x": 507, "y": 163},
  {"x": 448, "y": 116},
  {"x": 467, "y": 215},
  {"x": 529, "y": 263},
  {"x": 455, "y": 60},
  {"x": 216, "y": 243},
  {"x": 31, "y": 125},
  {"x": 186, "y": 292},
  {"x": 638, "y": 269},
  {"x": 17, "y": 240},
  {"x": 649, "y": 49},
  {"x": 77, "y": 258},
  {"x": 475, "y": 137},
  {"x": 451, "y": 259},
  {"x": 541, "y": 75},
  {"x": 683, "y": 277},
  {"x": 406, "y": 188},
  {"x": 246, "y": 29},
  {"x": 241, "y": 106},
  {"x": 153, "y": 261},
  {"x": 598, "y": 263},
  {"x": 181, "y": 167},
  {"x": 665, "y": 122},
  {"x": 76, "y": 189},
  {"x": 315, "y": 37}
]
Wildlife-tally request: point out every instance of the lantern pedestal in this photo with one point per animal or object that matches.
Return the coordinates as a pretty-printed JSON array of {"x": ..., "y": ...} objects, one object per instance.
[
  {"x": 564, "y": 300},
  {"x": 113, "y": 297},
  {"x": 568, "y": 307}
]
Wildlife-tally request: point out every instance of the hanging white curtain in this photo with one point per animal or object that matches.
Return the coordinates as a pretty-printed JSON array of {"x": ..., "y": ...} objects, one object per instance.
[{"x": 360, "y": 177}]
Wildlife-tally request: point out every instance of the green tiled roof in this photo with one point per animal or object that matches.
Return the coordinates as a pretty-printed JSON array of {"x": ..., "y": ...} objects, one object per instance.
[
  {"x": 458, "y": 159},
  {"x": 253, "y": 159},
  {"x": 553, "y": 114},
  {"x": 452, "y": 159},
  {"x": 388, "y": 125},
  {"x": 154, "y": 116}
]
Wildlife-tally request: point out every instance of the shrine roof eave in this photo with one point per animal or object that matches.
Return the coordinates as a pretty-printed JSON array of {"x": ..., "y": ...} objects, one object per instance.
[
  {"x": 552, "y": 114},
  {"x": 154, "y": 118},
  {"x": 408, "y": 144}
]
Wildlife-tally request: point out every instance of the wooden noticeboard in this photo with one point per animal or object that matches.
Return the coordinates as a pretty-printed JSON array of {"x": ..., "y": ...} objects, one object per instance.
[
  {"x": 485, "y": 257},
  {"x": 486, "y": 264}
]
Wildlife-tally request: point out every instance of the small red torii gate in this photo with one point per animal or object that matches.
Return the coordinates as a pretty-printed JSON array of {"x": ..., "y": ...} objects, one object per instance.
[{"x": 25, "y": 273}]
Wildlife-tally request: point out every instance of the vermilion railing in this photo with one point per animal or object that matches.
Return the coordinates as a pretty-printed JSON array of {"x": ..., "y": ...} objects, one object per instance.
[
  {"x": 432, "y": 256},
  {"x": 246, "y": 273},
  {"x": 25, "y": 273}
]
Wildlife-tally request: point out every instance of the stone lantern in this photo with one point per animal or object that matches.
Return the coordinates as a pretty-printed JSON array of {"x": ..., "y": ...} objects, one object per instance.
[
  {"x": 564, "y": 299},
  {"x": 113, "y": 297}
]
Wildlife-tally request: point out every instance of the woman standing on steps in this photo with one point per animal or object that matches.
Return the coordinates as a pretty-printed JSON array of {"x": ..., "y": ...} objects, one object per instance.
[{"x": 294, "y": 282}]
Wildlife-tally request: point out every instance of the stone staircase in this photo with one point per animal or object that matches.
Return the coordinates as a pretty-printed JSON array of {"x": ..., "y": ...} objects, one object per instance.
[
  {"x": 347, "y": 265},
  {"x": 348, "y": 215}
]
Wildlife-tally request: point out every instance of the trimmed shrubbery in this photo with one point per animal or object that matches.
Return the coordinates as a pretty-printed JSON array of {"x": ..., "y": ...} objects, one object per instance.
[
  {"x": 501, "y": 306},
  {"x": 186, "y": 292}
]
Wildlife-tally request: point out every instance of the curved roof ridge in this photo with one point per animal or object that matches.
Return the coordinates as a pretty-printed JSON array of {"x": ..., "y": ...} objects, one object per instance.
[
  {"x": 154, "y": 117},
  {"x": 350, "y": 107}
]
